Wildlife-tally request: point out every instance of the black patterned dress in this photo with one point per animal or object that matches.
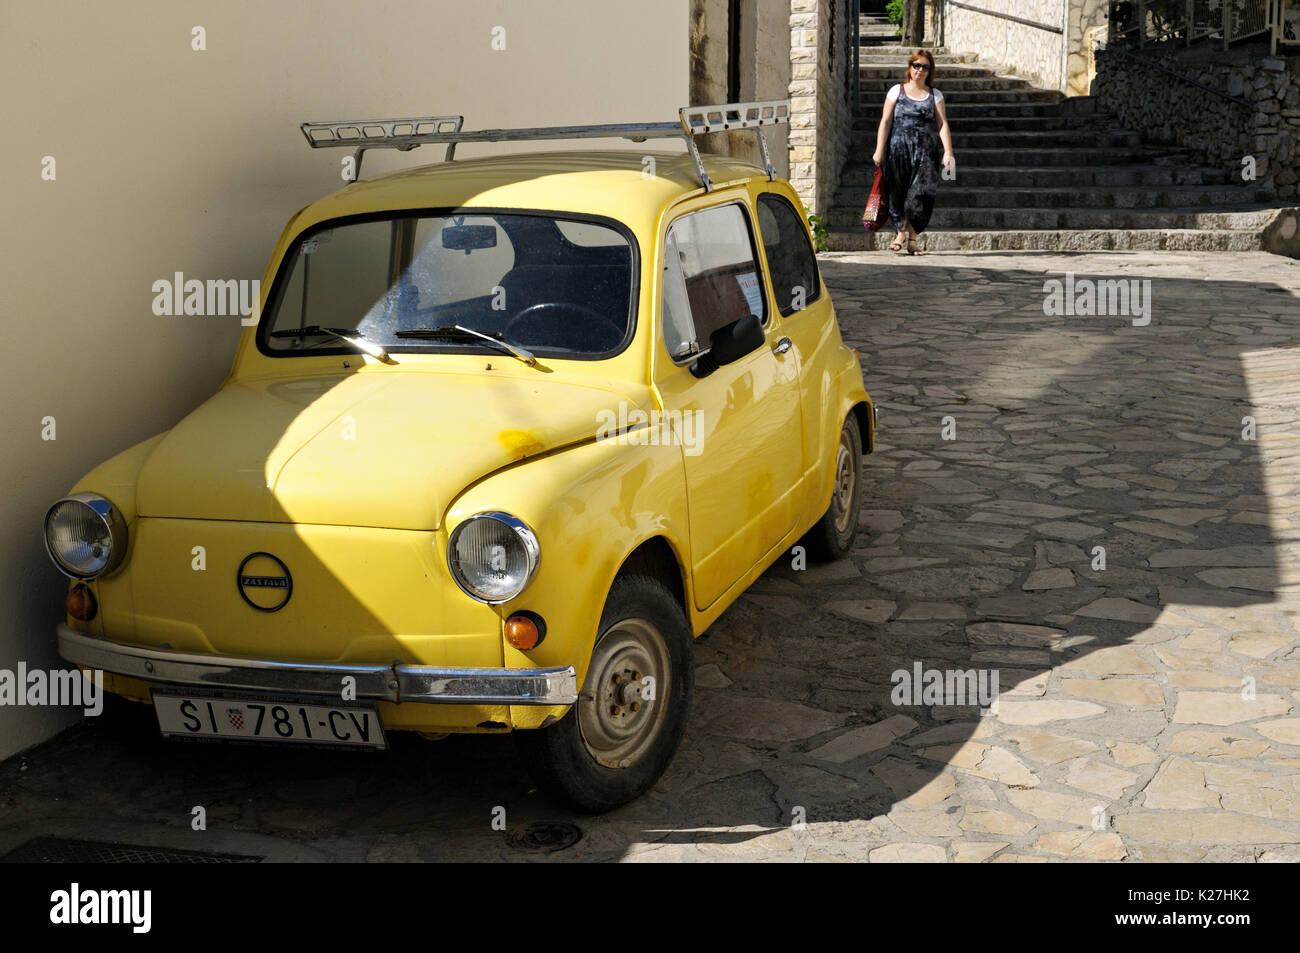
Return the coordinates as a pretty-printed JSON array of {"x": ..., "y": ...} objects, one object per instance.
[{"x": 912, "y": 161}]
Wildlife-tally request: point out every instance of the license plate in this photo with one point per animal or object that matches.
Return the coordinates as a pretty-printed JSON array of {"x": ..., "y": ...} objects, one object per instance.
[{"x": 250, "y": 718}]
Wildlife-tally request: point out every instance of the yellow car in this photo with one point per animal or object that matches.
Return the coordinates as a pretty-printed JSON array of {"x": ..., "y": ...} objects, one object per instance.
[{"x": 507, "y": 433}]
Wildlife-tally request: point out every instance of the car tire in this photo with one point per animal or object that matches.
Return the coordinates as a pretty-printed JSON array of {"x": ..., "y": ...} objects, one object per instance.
[
  {"x": 603, "y": 753},
  {"x": 832, "y": 536}
]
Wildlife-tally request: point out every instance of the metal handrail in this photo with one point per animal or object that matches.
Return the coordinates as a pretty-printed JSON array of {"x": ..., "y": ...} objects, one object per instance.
[
  {"x": 1006, "y": 16},
  {"x": 1190, "y": 20},
  {"x": 405, "y": 134},
  {"x": 1147, "y": 61}
]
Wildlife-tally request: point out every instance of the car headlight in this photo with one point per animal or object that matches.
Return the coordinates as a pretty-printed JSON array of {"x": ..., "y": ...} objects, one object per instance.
[
  {"x": 492, "y": 556},
  {"x": 85, "y": 535}
]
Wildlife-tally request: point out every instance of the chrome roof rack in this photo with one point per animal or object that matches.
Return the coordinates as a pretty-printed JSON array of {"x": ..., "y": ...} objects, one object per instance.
[{"x": 407, "y": 134}]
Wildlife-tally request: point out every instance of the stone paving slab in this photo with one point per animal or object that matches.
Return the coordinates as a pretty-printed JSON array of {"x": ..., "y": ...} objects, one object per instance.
[{"x": 1104, "y": 532}]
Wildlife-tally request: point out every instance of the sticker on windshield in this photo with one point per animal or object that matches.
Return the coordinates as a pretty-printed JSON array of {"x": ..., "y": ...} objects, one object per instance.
[
  {"x": 749, "y": 285},
  {"x": 309, "y": 245}
]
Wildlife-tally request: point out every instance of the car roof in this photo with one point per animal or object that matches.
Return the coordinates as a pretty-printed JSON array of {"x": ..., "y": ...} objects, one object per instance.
[{"x": 618, "y": 183}]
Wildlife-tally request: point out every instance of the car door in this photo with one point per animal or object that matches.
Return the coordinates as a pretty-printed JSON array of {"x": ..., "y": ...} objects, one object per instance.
[
  {"x": 744, "y": 470},
  {"x": 808, "y": 320}
]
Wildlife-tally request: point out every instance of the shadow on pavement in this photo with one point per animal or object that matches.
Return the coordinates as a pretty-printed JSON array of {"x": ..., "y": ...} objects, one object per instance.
[{"x": 1071, "y": 433}]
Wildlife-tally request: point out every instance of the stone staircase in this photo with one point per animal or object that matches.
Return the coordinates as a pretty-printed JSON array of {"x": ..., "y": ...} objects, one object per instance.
[
  {"x": 876, "y": 30},
  {"x": 1038, "y": 171}
]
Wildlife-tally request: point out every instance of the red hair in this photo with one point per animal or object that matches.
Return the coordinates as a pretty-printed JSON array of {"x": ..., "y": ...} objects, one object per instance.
[{"x": 907, "y": 70}]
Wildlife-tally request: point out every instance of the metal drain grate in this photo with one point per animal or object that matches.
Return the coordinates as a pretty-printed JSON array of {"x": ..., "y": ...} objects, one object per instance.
[
  {"x": 544, "y": 837},
  {"x": 60, "y": 850}
]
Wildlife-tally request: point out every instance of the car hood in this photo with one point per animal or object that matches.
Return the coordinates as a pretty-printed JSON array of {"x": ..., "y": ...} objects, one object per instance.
[{"x": 376, "y": 449}]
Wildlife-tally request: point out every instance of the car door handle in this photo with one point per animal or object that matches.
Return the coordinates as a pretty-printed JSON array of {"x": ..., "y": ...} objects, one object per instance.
[{"x": 782, "y": 346}]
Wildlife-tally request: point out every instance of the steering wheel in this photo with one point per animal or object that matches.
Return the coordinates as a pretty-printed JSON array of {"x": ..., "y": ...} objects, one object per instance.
[{"x": 539, "y": 313}]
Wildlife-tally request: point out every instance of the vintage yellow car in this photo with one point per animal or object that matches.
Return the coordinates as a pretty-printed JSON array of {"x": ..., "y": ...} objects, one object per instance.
[{"x": 507, "y": 433}]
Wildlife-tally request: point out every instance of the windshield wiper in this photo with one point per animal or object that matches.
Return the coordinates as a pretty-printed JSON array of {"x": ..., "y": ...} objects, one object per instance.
[
  {"x": 350, "y": 335},
  {"x": 456, "y": 330}
]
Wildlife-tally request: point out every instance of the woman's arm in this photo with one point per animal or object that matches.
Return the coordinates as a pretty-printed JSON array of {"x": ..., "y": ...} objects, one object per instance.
[
  {"x": 882, "y": 135},
  {"x": 945, "y": 134}
]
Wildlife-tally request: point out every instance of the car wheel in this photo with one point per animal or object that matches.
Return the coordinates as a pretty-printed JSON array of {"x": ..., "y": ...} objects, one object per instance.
[
  {"x": 615, "y": 743},
  {"x": 832, "y": 536}
]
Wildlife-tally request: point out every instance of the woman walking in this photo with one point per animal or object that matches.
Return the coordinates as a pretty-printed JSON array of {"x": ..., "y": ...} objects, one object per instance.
[{"x": 913, "y": 123}]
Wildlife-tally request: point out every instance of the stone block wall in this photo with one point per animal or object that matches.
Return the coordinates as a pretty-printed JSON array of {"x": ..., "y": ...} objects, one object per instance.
[
  {"x": 1085, "y": 26},
  {"x": 821, "y": 117},
  {"x": 1222, "y": 133},
  {"x": 1032, "y": 53}
]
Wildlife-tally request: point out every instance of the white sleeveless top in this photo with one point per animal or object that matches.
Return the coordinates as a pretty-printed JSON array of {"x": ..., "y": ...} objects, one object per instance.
[{"x": 897, "y": 91}]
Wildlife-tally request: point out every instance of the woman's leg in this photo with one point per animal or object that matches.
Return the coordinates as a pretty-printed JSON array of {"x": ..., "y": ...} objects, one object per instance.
[
  {"x": 911, "y": 241},
  {"x": 897, "y": 173}
]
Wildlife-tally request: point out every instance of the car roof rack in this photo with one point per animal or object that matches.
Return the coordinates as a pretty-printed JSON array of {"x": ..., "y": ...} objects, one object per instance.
[{"x": 407, "y": 134}]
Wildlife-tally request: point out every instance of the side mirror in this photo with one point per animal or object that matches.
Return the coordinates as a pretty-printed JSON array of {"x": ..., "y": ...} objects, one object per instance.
[{"x": 729, "y": 344}]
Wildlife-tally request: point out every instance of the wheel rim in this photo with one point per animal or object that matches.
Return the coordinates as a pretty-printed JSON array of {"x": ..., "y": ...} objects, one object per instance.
[
  {"x": 618, "y": 727},
  {"x": 846, "y": 479}
]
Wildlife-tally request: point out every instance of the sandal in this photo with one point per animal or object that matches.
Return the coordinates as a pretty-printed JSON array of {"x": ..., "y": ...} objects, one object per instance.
[
  {"x": 912, "y": 249},
  {"x": 896, "y": 245}
]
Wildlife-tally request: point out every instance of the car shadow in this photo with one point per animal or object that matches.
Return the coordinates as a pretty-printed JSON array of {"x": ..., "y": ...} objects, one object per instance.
[
  {"x": 981, "y": 552},
  {"x": 1071, "y": 433}
]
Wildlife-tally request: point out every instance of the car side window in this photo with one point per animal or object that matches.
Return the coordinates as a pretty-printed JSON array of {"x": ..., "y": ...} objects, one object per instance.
[
  {"x": 710, "y": 277},
  {"x": 790, "y": 259}
]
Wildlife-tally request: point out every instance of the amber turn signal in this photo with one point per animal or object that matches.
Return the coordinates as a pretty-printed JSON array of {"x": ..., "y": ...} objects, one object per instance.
[
  {"x": 81, "y": 603},
  {"x": 525, "y": 630}
]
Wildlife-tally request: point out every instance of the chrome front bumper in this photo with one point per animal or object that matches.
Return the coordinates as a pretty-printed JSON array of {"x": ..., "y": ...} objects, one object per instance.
[{"x": 395, "y": 682}]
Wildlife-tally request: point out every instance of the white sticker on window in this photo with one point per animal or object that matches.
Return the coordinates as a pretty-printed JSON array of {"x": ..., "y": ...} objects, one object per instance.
[{"x": 749, "y": 285}]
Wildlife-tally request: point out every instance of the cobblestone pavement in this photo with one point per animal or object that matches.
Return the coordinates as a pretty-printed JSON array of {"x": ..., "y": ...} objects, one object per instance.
[{"x": 1149, "y": 710}]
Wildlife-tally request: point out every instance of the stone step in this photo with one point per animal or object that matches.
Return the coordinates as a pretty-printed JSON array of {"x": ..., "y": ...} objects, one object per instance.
[
  {"x": 1110, "y": 239},
  {"x": 941, "y": 54},
  {"x": 961, "y": 122},
  {"x": 893, "y": 71},
  {"x": 859, "y": 176},
  {"x": 970, "y": 160},
  {"x": 874, "y": 58},
  {"x": 1037, "y": 173},
  {"x": 954, "y": 217},
  {"x": 1031, "y": 140},
  {"x": 1133, "y": 197},
  {"x": 1052, "y": 157},
  {"x": 881, "y": 84},
  {"x": 977, "y": 110},
  {"x": 981, "y": 97}
]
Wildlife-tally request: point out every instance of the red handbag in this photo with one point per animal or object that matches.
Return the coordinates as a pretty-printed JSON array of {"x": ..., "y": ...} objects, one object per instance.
[{"x": 877, "y": 210}]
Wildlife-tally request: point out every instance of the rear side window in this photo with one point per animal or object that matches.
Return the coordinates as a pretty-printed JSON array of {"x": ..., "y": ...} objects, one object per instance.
[
  {"x": 710, "y": 277},
  {"x": 795, "y": 281}
]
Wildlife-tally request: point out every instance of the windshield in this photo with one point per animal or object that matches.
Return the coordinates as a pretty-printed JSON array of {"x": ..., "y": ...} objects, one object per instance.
[{"x": 555, "y": 286}]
